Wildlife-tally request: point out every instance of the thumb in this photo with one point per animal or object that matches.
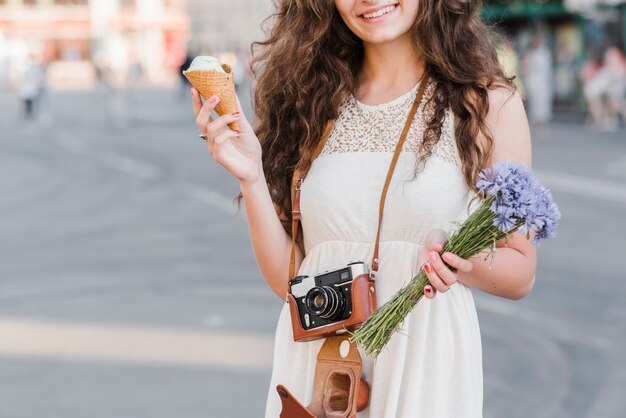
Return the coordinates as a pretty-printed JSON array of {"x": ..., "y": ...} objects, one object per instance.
[{"x": 435, "y": 240}]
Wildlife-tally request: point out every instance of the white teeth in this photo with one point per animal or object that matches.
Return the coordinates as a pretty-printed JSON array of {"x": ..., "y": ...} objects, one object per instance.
[{"x": 379, "y": 13}]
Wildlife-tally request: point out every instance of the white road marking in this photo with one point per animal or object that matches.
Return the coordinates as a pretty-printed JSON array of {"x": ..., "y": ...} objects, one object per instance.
[
  {"x": 211, "y": 197},
  {"x": 583, "y": 186},
  {"x": 214, "y": 321},
  {"x": 71, "y": 143},
  {"x": 148, "y": 171},
  {"x": 131, "y": 166},
  {"x": 135, "y": 344},
  {"x": 561, "y": 328},
  {"x": 616, "y": 168}
]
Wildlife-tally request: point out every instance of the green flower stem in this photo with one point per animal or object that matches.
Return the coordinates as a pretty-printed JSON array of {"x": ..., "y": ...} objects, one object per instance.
[
  {"x": 386, "y": 320},
  {"x": 474, "y": 235}
]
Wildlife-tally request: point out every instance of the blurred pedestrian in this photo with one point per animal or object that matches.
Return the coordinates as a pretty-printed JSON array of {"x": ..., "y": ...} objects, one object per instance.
[
  {"x": 135, "y": 71},
  {"x": 605, "y": 89},
  {"x": 32, "y": 86},
  {"x": 593, "y": 89},
  {"x": 615, "y": 65},
  {"x": 565, "y": 67},
  {"x": 509, "y": 61},
  {"x": 44, "y": 102},
  {"x": 105, "y": 93},
  {"x": 537, "y": 70},
  {"x": 184, "y": 83}
]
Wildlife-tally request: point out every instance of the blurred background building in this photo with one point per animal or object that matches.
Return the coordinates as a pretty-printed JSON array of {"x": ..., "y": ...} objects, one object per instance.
[
  {"x": 554, "y": 47},
  {"x": 232, "y": 25},
  {"x": 573, "y": 32},
  {"x": 226, "y": 29},
  {"x": 128, "y": 40},
  {"x": 136, "y": 40}
]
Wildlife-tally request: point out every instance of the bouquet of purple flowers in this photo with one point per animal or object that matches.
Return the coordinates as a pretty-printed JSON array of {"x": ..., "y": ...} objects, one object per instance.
[{"x": 512, "y": 200}]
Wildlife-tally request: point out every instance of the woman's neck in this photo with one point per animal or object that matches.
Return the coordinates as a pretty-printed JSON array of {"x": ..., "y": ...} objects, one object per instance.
[{"x": 389, "y": 70}]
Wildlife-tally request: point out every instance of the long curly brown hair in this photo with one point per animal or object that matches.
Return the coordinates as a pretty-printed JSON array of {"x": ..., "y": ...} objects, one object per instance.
[{"x": 310, "y": 62}]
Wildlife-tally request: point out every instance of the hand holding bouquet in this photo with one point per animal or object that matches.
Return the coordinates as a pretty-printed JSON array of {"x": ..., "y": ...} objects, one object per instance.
[{"x": 512, "y": 200}]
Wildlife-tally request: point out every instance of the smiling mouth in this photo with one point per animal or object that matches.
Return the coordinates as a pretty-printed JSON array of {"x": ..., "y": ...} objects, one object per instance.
[{"x": 380, "y": 12}]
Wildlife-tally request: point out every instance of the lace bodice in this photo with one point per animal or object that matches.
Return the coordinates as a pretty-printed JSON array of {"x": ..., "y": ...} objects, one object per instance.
[{"x": 377, "y": 128}]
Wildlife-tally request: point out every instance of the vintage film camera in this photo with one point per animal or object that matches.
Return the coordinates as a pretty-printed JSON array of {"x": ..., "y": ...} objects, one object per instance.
[{"x": 333, "y": 302}]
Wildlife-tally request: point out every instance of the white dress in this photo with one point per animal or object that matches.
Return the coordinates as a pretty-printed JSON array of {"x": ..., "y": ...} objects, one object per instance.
[{"x": 432, "y": 368}]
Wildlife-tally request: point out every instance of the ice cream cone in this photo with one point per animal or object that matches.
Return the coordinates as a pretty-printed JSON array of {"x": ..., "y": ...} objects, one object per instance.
[{"x": 209, "y": 83}]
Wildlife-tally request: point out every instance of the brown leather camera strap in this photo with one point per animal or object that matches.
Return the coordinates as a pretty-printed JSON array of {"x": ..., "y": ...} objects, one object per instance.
[{"x": 299, "y": 174}]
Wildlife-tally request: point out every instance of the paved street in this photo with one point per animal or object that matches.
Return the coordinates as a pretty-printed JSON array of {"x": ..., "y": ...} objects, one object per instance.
[{"x": 128, "y": 287}]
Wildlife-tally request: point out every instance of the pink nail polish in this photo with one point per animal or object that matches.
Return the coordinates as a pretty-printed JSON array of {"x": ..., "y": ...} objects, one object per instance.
[
  {"x": 433, "y": 255},
  {"x": 447, "y": 257},
  {"x": 236, "y": 114},
  {"x": 213, "y": 99},
  {"x": 236, "y": 131}
]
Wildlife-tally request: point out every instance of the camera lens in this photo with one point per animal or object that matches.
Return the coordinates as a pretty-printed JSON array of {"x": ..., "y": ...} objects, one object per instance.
[{"x": 324, "y": 301}]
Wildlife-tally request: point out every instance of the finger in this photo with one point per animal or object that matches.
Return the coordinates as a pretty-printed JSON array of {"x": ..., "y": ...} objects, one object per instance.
[
  {"x": 224, "y": 136},
  {"x": 204, "y": 116},
  {"x": 209, "y": 144},
  {"x": 216, "y": 127},
  {"x": 434, "y": 279},
  {"x": 436, "y": 239},
  {"x": 444, "y": 273},
  {"x": 461, "y": 264},
  {"x": 244, "y": 121},
  {"x": 218, "y": 145},
  {"x": 429, "y": 292},
  {"x": 196, "y": 100}
]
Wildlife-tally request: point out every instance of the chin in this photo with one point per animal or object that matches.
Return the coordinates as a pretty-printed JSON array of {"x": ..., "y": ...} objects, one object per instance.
[
  {"x": 382, "y": 37},
  {"x": 384, "y": 33}
]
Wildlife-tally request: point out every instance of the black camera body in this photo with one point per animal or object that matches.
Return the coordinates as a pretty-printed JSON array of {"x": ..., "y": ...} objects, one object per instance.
[{"x": 326, "y": 298}]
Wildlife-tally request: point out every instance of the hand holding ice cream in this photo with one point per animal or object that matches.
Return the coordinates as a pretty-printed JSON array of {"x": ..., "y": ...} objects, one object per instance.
[{"x": 209, "y": 77}]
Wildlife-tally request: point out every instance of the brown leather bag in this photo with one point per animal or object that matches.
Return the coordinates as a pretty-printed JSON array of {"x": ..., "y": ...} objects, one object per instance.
[
  {"x": 364, "y": 286},
  {"x": 336, "y": 387}
]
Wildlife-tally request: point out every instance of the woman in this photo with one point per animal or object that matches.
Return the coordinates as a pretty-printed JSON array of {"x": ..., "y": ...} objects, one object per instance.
[{"x": 360, "y": 63}]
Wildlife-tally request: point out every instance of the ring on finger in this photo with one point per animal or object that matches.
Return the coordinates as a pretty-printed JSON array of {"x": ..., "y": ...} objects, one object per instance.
[{"x": 202, "y": 137}]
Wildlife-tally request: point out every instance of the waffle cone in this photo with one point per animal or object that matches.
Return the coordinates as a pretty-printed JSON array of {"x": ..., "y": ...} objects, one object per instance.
[{"x": 209, "y": 83}]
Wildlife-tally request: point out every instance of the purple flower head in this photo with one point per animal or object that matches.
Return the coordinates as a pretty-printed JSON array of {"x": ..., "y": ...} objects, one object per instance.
[
  {"x": 504, "y": 220},
  {"x": 546, "y": 216},
  {"x": 519, "y": 197}
]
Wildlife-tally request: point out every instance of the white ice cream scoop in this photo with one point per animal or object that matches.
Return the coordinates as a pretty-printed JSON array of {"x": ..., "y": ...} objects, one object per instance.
[{"x": 206, "y": 63}]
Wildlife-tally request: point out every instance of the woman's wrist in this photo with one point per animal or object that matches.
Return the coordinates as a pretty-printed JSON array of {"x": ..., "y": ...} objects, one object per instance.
[{"x": 253, "y": 184}]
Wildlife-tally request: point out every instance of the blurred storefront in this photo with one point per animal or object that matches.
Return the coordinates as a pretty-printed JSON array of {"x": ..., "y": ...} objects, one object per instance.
[
  {"x": 226, "y": 29},
  {"x": 574, "y": 31},
  {"x": 130, "y": 40},
  {"x": 227, "y": 25}
]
